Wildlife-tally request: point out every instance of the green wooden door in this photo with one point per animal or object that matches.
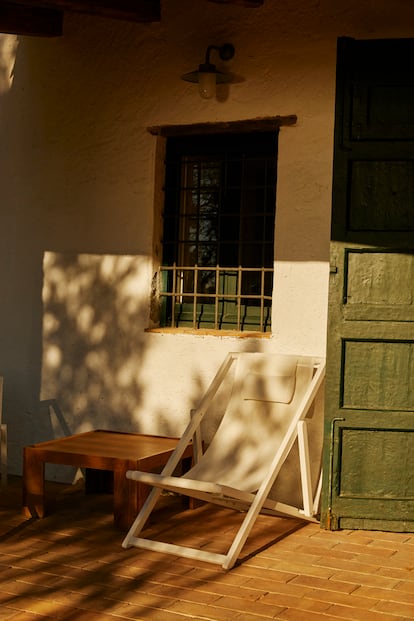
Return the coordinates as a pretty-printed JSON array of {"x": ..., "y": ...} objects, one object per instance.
[{"x": 369, "y": 428}]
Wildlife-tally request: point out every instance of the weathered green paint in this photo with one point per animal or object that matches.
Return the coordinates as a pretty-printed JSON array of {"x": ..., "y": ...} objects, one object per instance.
[{"x": 369, "y": 425}]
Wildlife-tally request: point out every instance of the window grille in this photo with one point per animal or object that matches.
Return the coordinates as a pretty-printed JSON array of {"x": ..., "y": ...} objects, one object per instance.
[
  {"x": 218, "y": 242},
  {"x": 184, "y": 298}
]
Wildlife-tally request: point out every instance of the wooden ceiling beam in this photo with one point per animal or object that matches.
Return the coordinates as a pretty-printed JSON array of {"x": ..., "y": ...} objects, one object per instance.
[
  {"x": 45, "y": 17},
  {"x": 24, "y": 20},
  {"x": 130, "y": 10},
  {"x": 251, "y": 3}
]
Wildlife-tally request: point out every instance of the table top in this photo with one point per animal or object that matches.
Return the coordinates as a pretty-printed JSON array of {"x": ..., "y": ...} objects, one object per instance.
[{"x": 112, "y": 444}]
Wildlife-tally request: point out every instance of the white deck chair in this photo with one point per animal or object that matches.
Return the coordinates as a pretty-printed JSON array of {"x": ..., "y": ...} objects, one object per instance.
[
  {"x": 3, "y": 441},
  {"x": 273, "y": 399}
]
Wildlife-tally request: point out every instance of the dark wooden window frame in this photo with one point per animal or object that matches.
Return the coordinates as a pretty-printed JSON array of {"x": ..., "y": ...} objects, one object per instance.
[{"x": 267, "y": 124}]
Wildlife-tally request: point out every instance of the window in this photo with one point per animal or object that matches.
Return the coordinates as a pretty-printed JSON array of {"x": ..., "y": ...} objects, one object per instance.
[{"x": 218, "y": 231}]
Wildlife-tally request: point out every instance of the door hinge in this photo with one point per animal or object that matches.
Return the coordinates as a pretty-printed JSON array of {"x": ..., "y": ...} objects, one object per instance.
[{"x": 331, "y": 520}]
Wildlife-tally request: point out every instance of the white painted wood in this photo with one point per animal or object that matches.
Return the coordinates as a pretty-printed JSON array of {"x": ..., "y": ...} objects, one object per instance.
[
  {"x": 197, "y": 442},
  {"x": 184, "y": 551},
  {"x": 305, "y": 471},
  {"x": 175, "y": 458}
]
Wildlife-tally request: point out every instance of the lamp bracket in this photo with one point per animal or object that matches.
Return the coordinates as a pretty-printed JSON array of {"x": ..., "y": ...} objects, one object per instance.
[{"x": 226, "y": 52}]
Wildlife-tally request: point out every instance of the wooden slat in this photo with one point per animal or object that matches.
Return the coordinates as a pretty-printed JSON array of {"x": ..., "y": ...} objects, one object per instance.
[
  {"x": 131, "y": 10},
  {"x": 45, "y": 17},
  {"x": 25, "y": 20},
  {"x": 248, "y": 3},
  {"x": 260, "y": 124}
]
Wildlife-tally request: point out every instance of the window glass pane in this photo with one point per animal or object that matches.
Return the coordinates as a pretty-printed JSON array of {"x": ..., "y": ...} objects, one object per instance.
[
  {"x": 231, "y": 200},
  {"x": 271, "y": 172},
  {"x": 251, "y": 255},
  {"x": 268, "y": 255},
  {"x": 269, "y": 228},
  {"x": 270, "y": 200},
  {"x": 208, "y": 202},
  {"x": 253, "y": 200},
  {"x": 207, "y": 255},
  {"x": 210, "y": 174},
  {"x": 254, "y": 173},
  {"x": 206, "y": 282},
  {"x": 219, "y": 211},
  {"x": 184, "y": 282},
  {"x": 207, "y": 229},
  {"x": 229, "y": 282},
  {"x": 187, "y": 254},
  {"x": 188, "y": 229},
  {"x": 229, "y": 227},
  {"x": 228, "y": 254},
  {"x": 268, "y": 286},
  {"x": 252, "y": 284},
  {"x": 233, "y": 173},
  {"x": 252, "y": 228}
]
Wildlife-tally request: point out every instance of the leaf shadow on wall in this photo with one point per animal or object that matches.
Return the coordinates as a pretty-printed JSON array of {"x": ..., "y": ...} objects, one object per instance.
[{"x": 95, "y": 309}]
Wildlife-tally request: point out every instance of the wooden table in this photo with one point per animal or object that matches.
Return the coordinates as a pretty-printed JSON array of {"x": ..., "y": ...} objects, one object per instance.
[{"x": 98, "y": 450}]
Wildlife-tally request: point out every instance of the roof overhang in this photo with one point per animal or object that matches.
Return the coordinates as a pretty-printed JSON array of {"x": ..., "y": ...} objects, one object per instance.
[{"x": 45, "y": 17}]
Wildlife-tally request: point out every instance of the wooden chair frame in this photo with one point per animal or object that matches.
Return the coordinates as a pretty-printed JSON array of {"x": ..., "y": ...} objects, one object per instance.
[{"x": 253, "y": 503}]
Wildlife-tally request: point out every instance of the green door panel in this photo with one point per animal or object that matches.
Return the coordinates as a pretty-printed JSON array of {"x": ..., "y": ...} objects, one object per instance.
[
  {"x": 378, "y": 285},
  {"x": 380, "y": 471},
  {"x": 369, "y": 420},
  {"x": 377, "y": 376}
]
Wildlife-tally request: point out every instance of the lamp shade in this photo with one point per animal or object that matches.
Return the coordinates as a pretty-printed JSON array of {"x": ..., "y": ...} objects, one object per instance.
[{"x": 207, "y": 75}]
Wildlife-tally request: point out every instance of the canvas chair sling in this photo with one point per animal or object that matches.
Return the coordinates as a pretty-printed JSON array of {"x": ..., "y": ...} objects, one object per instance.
[{"x": 274, "y": 399}]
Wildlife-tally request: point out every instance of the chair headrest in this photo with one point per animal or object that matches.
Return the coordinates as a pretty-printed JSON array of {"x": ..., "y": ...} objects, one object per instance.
[{"x": 274, "y": 388}]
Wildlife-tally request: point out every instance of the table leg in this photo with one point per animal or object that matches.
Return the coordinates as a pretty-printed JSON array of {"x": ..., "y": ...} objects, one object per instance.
[
  {"x": 126, "y": 496},
  {"x": 33, "y": 483}
]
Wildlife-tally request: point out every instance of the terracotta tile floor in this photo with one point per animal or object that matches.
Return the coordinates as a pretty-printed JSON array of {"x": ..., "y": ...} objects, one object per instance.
[{"x": 70, "y": 566}]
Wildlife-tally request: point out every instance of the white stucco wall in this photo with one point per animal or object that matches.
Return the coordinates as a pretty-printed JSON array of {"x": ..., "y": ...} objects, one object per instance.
[{"x": 77, "y": 201}]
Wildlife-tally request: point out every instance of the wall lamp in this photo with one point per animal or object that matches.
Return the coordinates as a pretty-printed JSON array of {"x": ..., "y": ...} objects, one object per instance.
[{"x": 207, "y": 76}]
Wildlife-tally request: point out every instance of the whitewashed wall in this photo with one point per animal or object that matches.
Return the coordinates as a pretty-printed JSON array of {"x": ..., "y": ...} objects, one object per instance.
[{"x": 77, "y": 198}]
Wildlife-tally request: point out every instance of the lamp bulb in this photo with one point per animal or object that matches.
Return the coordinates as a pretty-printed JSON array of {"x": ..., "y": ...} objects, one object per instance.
[{"x": 207, "y": 84}]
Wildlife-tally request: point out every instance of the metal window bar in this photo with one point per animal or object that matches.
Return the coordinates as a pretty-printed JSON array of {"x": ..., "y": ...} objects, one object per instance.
[
  {"x": 178, "y": 295},
  {"x": 195, "y": 280},
  {"x": 262, "y": 286},
  {"x": 239, "y": 278},
  {"x": 216, "y": 306}
]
